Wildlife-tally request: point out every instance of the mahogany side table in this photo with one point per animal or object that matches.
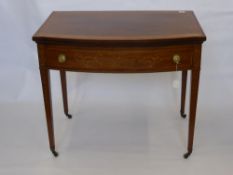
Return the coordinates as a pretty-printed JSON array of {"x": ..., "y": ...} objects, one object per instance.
[{"x": 120, "y": 42}]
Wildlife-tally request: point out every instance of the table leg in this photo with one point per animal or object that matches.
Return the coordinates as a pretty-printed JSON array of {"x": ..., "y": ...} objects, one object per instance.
[
  {"x": 183, "y": 93},
  {"x": 64, "y": 93},
  {"x": 193, "y": 105},
  {"x": 45, "y": 79}
]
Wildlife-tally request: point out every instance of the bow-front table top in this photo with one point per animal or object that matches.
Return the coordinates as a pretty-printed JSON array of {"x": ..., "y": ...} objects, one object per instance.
[{"x": 114, "y": 27}]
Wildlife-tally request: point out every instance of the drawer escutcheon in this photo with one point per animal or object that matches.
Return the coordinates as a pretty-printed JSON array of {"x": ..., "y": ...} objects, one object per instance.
[
  {"x": 61, "y": 58},
  {"x": 176, "y": 58}
]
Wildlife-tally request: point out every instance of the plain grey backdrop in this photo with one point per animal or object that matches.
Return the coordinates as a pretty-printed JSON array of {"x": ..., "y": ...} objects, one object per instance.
[{"x": 122, "y": 124}]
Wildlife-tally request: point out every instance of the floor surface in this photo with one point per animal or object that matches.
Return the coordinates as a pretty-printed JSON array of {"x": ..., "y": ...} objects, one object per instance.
[{"x": 120, "y": 128}]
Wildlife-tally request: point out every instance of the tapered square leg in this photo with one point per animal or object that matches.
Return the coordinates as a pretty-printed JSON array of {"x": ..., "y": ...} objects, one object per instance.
[
  {"x": 64, "y": 93},
  {"x": 193, "y": 105},
  {"x": 45, "y": 79},
  {"x": 183, "y": 93}
]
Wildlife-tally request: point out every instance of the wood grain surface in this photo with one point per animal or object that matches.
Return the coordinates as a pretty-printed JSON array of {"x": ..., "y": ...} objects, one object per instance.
[{"x": 120, "y": 26}]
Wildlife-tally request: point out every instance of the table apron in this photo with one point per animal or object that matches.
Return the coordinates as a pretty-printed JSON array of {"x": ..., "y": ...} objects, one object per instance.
[{"x": 118, "y": 60}]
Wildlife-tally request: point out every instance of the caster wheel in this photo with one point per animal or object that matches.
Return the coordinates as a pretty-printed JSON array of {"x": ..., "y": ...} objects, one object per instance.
[
  {"x": 69, "y": 116},
  {"x": 54, "y": 153},
  {"x": 183, "y": 115},
  {"x": 186, "y": 155}
]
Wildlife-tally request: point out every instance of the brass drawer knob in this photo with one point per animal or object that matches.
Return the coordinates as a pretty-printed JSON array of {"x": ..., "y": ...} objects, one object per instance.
[
  {"x": 176, "y": 59},
  {"x": 61, "y": 58}
]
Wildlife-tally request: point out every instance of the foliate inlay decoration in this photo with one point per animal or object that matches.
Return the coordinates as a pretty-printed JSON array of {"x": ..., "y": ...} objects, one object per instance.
[{"x": 116, "y": 60}]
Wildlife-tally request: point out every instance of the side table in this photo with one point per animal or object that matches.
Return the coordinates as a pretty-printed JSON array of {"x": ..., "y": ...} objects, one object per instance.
[{"x": 120, "y": 42}]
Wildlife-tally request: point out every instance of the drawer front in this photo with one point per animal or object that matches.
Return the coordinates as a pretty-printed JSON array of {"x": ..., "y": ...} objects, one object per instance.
[{"x": 118, "y": 59}]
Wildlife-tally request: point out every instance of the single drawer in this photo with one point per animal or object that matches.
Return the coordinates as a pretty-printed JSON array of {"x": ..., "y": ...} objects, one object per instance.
[{"x": 148, "y": 59}]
